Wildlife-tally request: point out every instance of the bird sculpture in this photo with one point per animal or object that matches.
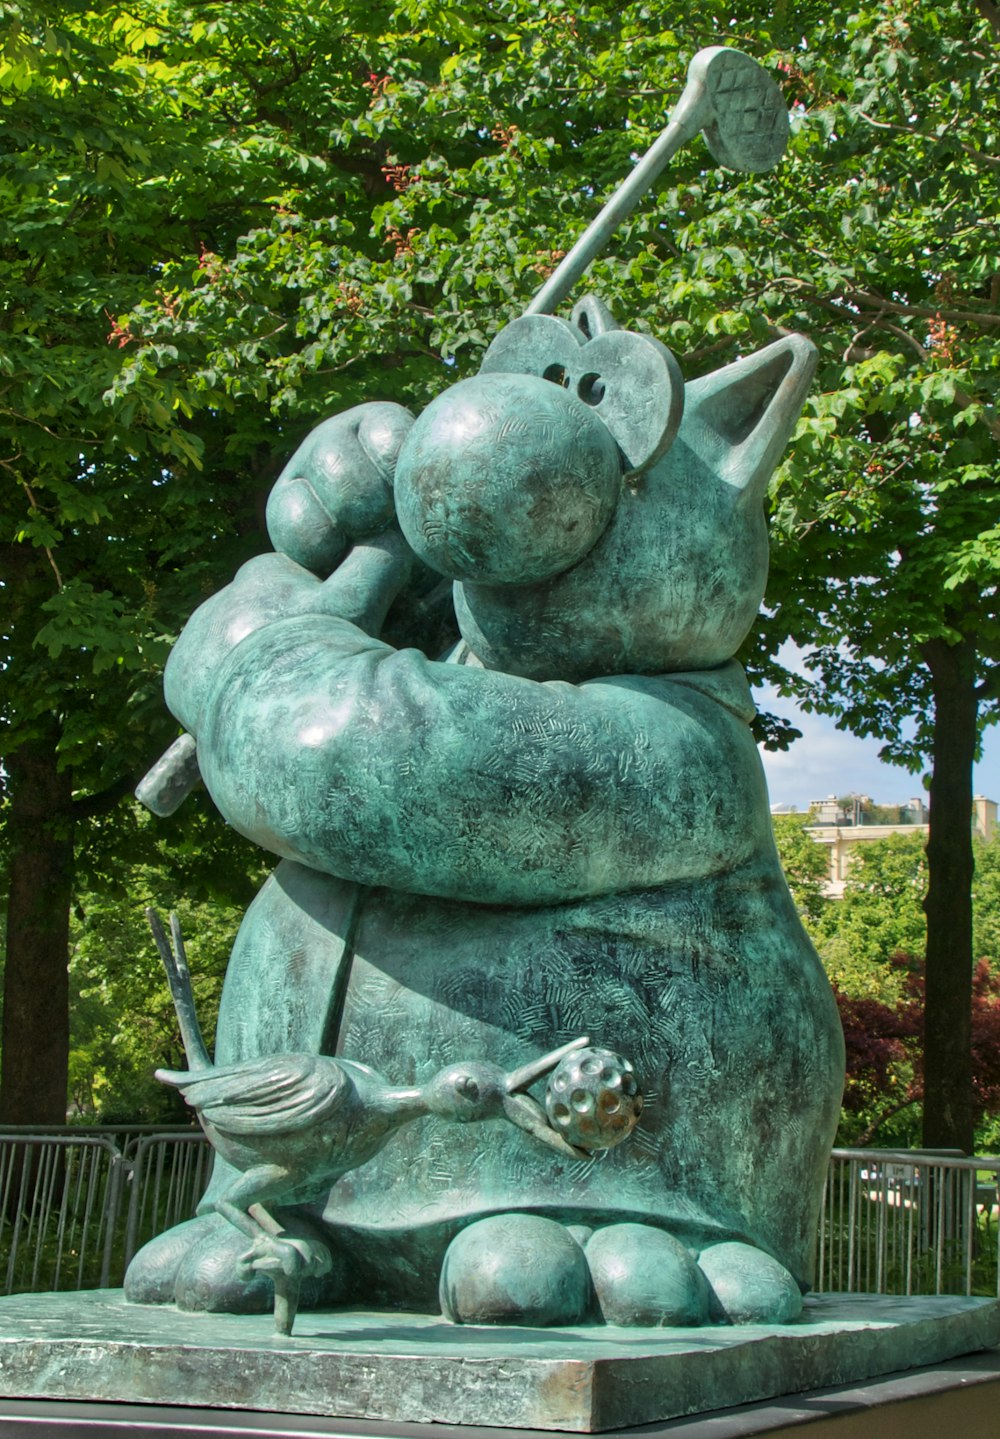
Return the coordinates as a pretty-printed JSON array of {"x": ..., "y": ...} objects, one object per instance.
[{"x": 293, "y": 1124}]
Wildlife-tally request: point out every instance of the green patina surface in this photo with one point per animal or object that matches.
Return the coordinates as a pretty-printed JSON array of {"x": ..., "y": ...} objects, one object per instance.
[
  {"x": 560, "y": 826},
  {"x": 391, "y": 1366}
]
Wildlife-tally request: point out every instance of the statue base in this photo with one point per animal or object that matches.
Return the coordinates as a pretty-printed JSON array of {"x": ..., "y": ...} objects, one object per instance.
[{"x": 412, "y": 1368}]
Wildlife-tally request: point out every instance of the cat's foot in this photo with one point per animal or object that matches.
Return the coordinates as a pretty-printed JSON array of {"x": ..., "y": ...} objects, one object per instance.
[
  {"x": 643, "y": 1275},
  {"x": 748, "y": 1286},
  {"x": 515, "y": 1269}
]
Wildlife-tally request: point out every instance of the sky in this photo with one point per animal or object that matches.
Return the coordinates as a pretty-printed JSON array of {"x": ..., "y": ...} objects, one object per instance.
[{"x": 827, "y": 761}]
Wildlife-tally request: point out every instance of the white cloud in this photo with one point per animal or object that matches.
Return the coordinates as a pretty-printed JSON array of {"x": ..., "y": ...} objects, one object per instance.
[{"x": 827, "y": 761}]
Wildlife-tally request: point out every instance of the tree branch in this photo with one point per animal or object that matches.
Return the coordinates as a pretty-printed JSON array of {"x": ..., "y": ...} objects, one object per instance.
[
  {"x": 48, "y": 553},
  {"x": 874, "y": 1127},
  {"x": 695, "y": 357},
  {"x": 979, "y": 156},
  {"x": 866, "y": 300},
  {"x": 91, "y": 805},
  {"x": 989, "y": 686},
  {"x": 896, "y": 307},
  {"x": 901, "y": 334},
  {"x": 855, "y": 352}
]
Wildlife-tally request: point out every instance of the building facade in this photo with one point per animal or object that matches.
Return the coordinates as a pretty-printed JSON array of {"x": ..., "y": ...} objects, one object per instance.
[{"x": 841, "y": 825}]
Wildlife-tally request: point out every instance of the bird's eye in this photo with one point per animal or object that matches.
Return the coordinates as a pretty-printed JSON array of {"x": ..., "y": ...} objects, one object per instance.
[{"x": 468, "y": 1087}]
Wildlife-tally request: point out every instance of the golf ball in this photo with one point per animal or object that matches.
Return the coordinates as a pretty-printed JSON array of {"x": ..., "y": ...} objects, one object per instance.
[{"x": 592, "y": 1099}]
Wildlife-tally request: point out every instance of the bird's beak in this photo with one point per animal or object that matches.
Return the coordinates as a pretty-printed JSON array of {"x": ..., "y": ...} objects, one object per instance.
[
  {"x": 529, "y": 1115},
  {"x": 523, "y": 1078}
]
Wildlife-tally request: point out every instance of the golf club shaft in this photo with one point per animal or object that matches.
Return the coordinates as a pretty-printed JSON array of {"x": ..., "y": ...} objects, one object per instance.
[
  {"x": 685, "y": 122},
  {"x": 527, "y": 1073}
]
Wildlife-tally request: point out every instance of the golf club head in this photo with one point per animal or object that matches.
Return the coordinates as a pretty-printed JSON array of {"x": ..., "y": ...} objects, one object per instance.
[{"x": 747, "y": 128}]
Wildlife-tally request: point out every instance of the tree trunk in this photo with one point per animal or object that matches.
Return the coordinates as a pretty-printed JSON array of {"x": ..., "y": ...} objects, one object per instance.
[
  {"x": 35, "y": 1058},
  {"x": 948, "y": 1119}
]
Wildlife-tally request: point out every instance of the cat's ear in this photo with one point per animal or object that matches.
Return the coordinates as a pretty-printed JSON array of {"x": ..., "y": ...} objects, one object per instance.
[
  {"x": 739, "y": 418},
  {"x": 631, "y": 381},
  {"x": 541, "y": 345}
]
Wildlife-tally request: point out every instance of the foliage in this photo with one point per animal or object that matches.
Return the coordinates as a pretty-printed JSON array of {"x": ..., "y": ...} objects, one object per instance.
[
  {"x": 122, "y": 1020},
  {"x": 879, "y": 916},
  {"x": 888, "y": 497},
  {"x": 804, "y": 863},
  {"x": 884, "y": 1067},
  {"x": 102, "y": 527},
  {"x": 880, "y": 1089},
  {"x": 225, "y": 221},
  {"x": 871, "y": 238},
  {"x": 881, "y": 912},
  {"x": 871, "y": 944},
  {"x": 123, "y": 1024},
  {"x": 888, "y": 491},
  {"x": 883, "y": 814},
  {"x": 986, "y": 899}
]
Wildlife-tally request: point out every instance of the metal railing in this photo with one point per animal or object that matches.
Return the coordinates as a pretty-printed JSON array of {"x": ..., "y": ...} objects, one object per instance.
[
  {"x": 909, "y": 1222},
  {"x": 169, "y": 1173},
  {"x": 76, "y": 1204}
]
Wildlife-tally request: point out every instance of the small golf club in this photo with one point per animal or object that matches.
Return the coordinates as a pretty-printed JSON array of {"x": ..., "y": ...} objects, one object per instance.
[{"x": 738, "y": 107}]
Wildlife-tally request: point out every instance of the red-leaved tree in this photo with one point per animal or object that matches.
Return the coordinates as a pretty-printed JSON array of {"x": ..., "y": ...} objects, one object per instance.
[{"x": 884, "y": 1049}]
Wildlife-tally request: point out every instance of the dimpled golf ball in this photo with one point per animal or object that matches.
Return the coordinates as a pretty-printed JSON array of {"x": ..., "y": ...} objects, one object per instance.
[{"x": 592, "y": 1099}]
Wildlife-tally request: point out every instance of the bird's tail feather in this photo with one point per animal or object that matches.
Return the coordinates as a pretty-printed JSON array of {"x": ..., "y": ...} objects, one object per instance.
[{"x": 179, "y": 979}]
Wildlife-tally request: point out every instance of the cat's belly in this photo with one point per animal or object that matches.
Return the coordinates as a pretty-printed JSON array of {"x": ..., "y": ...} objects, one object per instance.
[{"x": 711, "y": 990}]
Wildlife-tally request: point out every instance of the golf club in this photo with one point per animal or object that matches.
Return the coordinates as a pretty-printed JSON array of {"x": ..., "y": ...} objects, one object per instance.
[{"x": 738, "y": 107}]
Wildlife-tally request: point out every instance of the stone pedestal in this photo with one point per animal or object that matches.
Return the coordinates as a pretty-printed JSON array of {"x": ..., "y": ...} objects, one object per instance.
[{"x": 411, "y": 1369}]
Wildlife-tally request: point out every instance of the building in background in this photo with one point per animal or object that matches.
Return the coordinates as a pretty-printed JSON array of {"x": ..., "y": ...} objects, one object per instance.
[{"x": 842, "y": 824}]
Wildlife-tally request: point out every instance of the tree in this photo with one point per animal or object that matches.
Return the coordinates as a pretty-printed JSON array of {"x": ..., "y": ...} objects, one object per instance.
[
  {"x": 878, "y": 918},
  {"x": 805, "y": 865},
  {"x": 887, "y": 574},
  {"x": 104, "y": 526},
  {"x": 871, "y": 238},
  {"x": 225, "y": 222},
  {"x": 388, "y": 184},
  {"x": 986, "y": 900},
  {"x": 882, "y": 1089},
  {"x": 872, "y": 943},
  {"x": 885, "y": 1075},
  {"x": 122, "y": 1018}
]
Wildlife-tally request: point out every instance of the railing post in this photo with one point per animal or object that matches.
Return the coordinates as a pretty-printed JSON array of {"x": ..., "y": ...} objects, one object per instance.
[
  {"x": 134, "y": 1200},
  {"x": 116, "y": 1175}
]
